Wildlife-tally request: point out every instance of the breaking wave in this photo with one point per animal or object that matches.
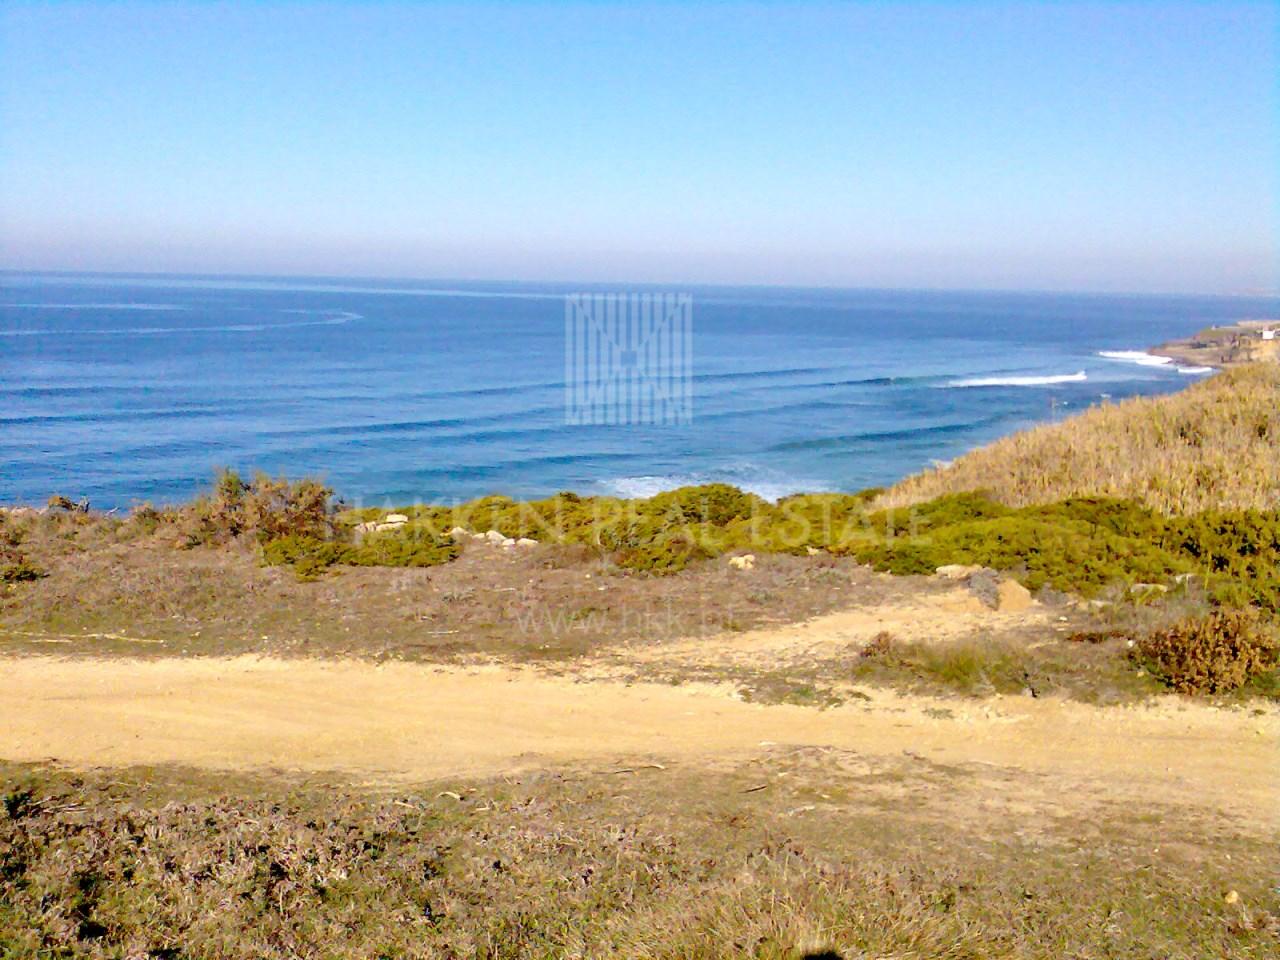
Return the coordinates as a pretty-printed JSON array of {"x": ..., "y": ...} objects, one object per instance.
[
  {"x": 1140, "y": 357},
  {"x": 1076, "y": 377}
]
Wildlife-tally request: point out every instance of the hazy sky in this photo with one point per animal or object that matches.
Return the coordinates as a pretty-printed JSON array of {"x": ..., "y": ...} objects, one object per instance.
[{"x": 1044, "y": 146}]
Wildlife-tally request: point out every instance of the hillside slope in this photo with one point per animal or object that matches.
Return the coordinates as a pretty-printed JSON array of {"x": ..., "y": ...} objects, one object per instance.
[{"x": 1214, "y": 445}]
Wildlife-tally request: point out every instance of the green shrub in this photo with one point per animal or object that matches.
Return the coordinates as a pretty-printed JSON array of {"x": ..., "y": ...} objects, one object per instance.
[
  {"x": 1211, "y": 654},
  {"x": 714, "y": 503},
  {"x": 18, "y": 569},
  {"x": 663, "y": 556},
  {"x": 14, "y": 565},
  {"x": 1065, "y": 555},
  {"x": 1126, "y": 518},
  {"x": 311, "y": 557},
  {"x": 1238, "y": 551},
  {"x": 1081, "y": 545},
  {"x": 945, "y": 511},
  {"x": 412, "y": 548}
]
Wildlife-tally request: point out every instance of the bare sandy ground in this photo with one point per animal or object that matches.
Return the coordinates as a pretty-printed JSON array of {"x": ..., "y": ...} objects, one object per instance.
[
  {"x": 938, "y": 618},
  {"x": 396, "y": 722}
]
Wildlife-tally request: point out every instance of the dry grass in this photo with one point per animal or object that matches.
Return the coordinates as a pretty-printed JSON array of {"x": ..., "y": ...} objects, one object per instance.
[
  {"x": 789, "y": 853},
  {"x": 1214, "y": 445},
  {"x": 142, "y": 597}
]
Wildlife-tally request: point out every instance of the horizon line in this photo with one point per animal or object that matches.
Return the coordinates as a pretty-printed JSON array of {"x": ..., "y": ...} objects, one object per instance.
[{"x": 663, "y": 284}]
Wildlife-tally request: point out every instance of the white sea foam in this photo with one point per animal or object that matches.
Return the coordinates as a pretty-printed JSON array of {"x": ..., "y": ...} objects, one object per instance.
[
  {"x": 1195, "y": 370},
  {"x": 768, "y": 486},
  {"x": 1076, "y": 377},
  {"x": 1140, "y": 357}
]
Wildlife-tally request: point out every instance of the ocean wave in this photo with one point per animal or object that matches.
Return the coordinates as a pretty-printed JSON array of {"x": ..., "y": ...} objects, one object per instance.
[
  {"x": 338, "y": 318},
  {"x": 847, "y": 440},
  {"x": 1140, "y": 357},
  {"x": 1041, "y": 381},
  {"x": 1195, "y": 370},
  {"x": 161, "y": 307},
  {"x": 769, "y": 485}
]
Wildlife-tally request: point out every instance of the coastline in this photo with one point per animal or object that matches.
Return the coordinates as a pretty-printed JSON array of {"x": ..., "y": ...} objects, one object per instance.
[{"x": 1222, "y": 347}]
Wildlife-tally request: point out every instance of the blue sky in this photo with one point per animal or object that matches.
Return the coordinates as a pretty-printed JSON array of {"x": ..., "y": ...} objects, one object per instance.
[{"x": 1022, "y": 146}]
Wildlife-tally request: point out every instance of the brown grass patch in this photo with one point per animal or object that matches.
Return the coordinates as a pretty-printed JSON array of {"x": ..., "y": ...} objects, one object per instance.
[
  {"x": 789, "y": 852},
  {"x": 1214, "y": 445}
]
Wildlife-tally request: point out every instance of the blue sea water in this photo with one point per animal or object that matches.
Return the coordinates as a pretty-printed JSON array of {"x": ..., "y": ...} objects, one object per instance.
[{"x": 125, "y": 389}]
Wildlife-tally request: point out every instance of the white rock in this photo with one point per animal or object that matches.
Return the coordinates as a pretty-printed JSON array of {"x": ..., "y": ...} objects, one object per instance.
[
  {"x": 957, "y": 571},
  {"x": 526, "y": 542},
  {"x": 459, "y": 533},
  {"x": 745, "y": 562},
  {"x": 493, "y": 536},
  {"x": 395, "y": 518},
  {"x": 379, "y": 527},
  {"x": 366, "y": 527},
  {"x": 508, "y": 542}
]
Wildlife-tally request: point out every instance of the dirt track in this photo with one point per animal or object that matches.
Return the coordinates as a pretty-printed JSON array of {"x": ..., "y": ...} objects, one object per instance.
[{"x": 402, "y": 721}]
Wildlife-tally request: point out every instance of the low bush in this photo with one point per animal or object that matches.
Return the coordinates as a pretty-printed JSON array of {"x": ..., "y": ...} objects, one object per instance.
[
  {"x": 311, "y": 557},
  {"x": 412, "y": 548},
  {"x": 666, "y": 555},
  {"x": 1067, "y": 549},
  {"x": 1237, "y": 550},
  {"x": 267, "y": 508},
  {"x": 1082, "y": 545},
  {"x": 1216, "y": 653},
  {"x": 15, "y": 567}
]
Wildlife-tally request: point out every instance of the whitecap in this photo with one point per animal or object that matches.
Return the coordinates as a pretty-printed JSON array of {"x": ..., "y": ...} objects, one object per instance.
[
  {"x": 1140, "y": 357},
  {"x": 1195, "y": 370},
  {"x": 1028, "y": 381},
  {"x": 772, "y": 489}
]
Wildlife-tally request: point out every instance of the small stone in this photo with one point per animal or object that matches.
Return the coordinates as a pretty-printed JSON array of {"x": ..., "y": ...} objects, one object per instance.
[
  {"x": 459, "y": 533},
  {"x": 745, "y": 562},
  {"x": 508, "y": 542},
  {"x": 957, "y": 571},
  {"x": 493, "y": 536},
  {"x": 1232, "y": 897},
  {"x": 526, "y": 542},
  {"x": 396, "y": 518}
]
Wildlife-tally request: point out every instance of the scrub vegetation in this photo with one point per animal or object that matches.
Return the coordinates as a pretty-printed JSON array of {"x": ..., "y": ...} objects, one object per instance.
[{"x": 1212, "y": 446}]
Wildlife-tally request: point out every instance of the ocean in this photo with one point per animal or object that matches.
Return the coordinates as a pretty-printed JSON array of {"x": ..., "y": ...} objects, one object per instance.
[{"x": 130, "y": 389}]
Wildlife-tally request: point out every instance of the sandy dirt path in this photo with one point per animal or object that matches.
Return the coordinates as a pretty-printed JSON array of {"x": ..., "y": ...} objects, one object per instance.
[{"x": 412, "y": 722}]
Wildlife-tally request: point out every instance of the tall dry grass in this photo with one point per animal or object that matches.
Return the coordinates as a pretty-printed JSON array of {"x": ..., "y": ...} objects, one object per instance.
[{"x": 1214, "y": 445}]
